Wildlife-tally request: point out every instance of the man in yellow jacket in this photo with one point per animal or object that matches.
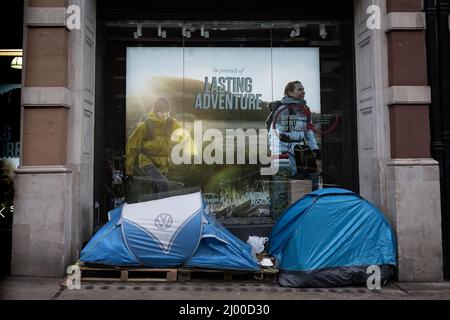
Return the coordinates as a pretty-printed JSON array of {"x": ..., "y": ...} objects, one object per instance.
[{"x": 149, "y": 146}]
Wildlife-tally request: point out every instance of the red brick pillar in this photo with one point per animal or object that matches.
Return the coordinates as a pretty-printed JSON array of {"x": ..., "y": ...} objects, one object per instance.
[
  {"x": 408, "y": 109},
  {"x": 413, "y": 187}
]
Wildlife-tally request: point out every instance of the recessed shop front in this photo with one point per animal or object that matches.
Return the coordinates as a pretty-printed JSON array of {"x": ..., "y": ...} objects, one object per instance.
[{"x": 201, "y": 104}]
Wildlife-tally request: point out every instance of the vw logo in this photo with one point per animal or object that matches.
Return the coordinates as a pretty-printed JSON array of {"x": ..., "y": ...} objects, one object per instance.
[{"x": 163, "y": 221}]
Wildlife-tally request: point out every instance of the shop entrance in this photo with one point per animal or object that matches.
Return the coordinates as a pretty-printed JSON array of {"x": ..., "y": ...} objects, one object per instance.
[{"x": 220, "y": 82}]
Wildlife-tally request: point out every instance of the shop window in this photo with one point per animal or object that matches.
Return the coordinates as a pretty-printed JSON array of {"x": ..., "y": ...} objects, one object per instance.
[{"x": 255, "y": 115}]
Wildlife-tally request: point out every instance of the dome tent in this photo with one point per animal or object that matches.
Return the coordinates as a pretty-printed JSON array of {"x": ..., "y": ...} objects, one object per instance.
[
  {"x": 329, "y": 238},
  {"x": 167, "y": 232}
]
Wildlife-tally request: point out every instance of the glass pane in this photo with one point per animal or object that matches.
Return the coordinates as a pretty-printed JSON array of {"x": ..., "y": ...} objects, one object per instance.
[
  {"x": 154, "y": 102},
  {"x": 228, "y": 108},
  {"x": 256, "y": 115}
]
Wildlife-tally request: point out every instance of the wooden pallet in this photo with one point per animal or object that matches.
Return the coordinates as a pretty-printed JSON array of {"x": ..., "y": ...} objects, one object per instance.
[
  {"x": 128, "y": 274},
  {"x": 144, "y": 274},
  {"x": 188, "y": 274}
]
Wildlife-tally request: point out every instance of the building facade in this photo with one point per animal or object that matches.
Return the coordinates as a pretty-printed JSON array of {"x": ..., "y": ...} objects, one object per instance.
[{"x": 382, "y": 87}]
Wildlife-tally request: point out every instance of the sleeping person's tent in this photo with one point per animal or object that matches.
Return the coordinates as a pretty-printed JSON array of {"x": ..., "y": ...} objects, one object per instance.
[
  {"x": 330, "y": 238},
  {"x": 167, "y": 232}
]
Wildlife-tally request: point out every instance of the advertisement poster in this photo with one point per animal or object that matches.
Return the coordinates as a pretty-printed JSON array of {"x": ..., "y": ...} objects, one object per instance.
[{"x": 196, "y": 117}]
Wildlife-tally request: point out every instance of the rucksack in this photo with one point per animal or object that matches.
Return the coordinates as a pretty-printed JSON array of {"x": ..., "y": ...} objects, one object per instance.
[
  {"x": 305, "y": 159},
  {"x": 273, "y": 107}
]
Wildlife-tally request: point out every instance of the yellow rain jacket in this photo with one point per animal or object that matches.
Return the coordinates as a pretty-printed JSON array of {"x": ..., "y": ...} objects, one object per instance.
[{"x": 150, "y": 144}]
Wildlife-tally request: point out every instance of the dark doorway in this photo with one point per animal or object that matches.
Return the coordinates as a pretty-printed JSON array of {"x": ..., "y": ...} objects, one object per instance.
[
  {"x": 10, "y": 94},
  {"x": 437, "y": 12}
]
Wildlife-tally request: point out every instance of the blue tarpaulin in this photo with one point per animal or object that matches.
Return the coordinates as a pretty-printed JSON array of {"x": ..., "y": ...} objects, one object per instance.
[{"x": 329, "y": 238}]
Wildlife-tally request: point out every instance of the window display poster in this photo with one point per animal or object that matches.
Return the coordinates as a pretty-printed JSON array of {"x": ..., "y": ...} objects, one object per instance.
[{"x": 197, "y": 117}]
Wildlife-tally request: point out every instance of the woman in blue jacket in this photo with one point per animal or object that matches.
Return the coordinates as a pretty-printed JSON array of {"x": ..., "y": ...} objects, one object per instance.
[{"x": 291, "y": 125}]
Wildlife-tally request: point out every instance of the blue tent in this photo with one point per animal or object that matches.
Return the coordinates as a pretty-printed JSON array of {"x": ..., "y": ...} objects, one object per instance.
[
  {"x": 167, "y": 232},
  {"x": 329, "y": 238}
]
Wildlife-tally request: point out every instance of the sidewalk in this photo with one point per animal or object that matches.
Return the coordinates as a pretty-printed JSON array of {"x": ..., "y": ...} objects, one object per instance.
[{"x": 22, "y": 288}]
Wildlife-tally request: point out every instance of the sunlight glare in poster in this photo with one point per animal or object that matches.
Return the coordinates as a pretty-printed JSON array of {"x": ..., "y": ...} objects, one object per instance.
[{"x": 213, "y": 94}]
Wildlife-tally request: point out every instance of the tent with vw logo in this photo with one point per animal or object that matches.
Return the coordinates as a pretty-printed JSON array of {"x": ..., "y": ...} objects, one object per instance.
[{"x": 167, "y": 232}]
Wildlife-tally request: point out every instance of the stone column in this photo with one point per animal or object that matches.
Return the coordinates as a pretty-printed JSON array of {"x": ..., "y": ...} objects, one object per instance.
[
  {"x": 396, "y": 171},
  {"x": 53, "y": 200},
  {"x": 372, "y": 114}
]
